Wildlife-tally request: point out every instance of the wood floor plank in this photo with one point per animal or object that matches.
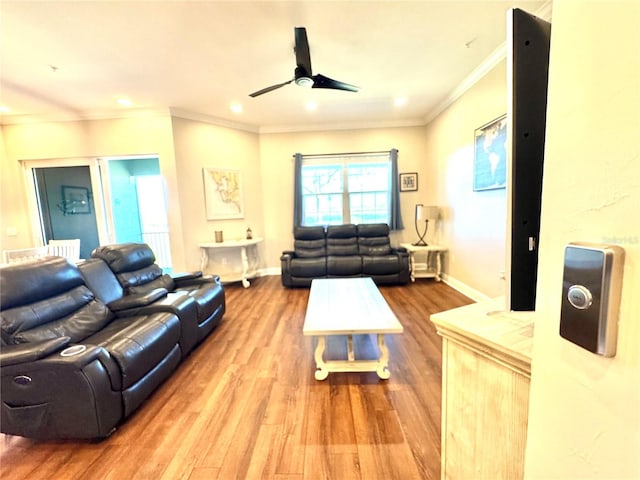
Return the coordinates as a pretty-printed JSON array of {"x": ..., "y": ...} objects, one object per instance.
[{"x": 245, "y": 404}]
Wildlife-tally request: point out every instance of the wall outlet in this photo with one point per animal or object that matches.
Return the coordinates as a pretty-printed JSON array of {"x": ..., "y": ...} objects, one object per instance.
[{"x": 12, "y": 232}]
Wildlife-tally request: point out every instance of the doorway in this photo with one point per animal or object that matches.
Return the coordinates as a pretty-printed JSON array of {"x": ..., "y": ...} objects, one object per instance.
[
  {"x": 137, "y": 204},
  {"x": 100, "y": 201},
  {"x": 65, "y": 201}
]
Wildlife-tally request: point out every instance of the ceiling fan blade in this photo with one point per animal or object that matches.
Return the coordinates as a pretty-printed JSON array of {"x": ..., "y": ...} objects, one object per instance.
[
  {"x": 271, "y": 88},
  {"x": 303, "y": 58},
  {"x": 320, "y": 81}
]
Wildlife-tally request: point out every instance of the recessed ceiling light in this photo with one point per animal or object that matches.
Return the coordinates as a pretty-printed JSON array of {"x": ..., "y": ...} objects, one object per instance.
[
  {"x": 4, "y": 109},
  {"x": 311, "y": 106},
  {"x": 399, "y": 101},
  {"x": 125, "y": 102},
  {"x": 236, "y": 108}
]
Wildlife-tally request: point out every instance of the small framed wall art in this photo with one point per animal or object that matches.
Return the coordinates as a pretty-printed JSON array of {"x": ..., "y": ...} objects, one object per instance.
[{"x": 408, "y": 182}]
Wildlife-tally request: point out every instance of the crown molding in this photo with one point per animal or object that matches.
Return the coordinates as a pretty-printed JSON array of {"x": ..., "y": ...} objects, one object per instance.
[
  {"x": 77, "y": 117},
  {"x": 220, "y": 122},
  {"x": 325, "y": 127}
]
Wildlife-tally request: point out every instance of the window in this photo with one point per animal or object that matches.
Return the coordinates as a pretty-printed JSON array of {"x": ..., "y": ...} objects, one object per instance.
[{"x": 338, "y": 189}]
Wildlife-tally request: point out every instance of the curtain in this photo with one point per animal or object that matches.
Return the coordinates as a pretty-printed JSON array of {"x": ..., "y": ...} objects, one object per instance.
[
  {"x": 396, "y": 216},
  {"x": 297, "y": 190}
]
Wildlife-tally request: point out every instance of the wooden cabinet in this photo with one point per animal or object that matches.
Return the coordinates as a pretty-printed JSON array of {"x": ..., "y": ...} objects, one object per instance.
[{"x": 486, "y": 368}]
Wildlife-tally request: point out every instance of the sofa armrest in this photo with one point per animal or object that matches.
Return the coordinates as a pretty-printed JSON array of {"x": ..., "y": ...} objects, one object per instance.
[
  {"x": 137, "y": 300},
  {"x": 30, "y": 352},
  {"x": 178, "y": 277},
  {"x": 288, "y": 253},
  {"x": 71, "y": 393},
  {"x": 399, "y": 250},
  {"x": 196, "y": 280}
]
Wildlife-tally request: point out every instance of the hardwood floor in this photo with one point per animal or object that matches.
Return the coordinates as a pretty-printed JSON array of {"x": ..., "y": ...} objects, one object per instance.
[{"x": 245, "y": 404}]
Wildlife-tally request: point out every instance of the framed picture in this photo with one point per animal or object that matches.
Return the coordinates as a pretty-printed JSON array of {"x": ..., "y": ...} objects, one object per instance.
[
  {"x": 408, "y": 182},
  {"x": 75, "y": 200},
  {"x": 490, "y": 155},
  {"x": 223, "y": 193}
]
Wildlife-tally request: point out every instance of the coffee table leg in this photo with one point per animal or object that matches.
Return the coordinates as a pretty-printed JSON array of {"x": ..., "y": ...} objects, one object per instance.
[
  {"x": 321, "y": 370},
  {"x": 383, "y": 362}
]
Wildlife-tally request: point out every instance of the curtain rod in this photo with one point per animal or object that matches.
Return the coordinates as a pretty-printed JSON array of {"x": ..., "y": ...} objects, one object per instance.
[{"x": 341, "y": 154}]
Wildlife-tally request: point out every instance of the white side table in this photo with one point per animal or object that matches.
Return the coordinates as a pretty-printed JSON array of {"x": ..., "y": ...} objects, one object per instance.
[
  {"x": 430, "y": 265},
  {"x": 250, "y": 260}
]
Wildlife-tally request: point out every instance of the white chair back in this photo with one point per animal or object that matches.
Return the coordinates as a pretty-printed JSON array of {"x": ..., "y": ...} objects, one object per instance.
[
  {"x": 70, "y": 249},
  {"x": 24, "y": 254}
]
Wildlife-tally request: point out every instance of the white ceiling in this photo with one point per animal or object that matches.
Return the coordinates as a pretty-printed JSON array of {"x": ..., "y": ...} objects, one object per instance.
[{"x": 74, "y": 59}]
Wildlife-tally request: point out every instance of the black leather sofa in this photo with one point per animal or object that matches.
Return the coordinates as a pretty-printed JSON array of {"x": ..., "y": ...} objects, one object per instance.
[
  {"x": 80, "y": 353},
  {"x": 344, "y": 251}
]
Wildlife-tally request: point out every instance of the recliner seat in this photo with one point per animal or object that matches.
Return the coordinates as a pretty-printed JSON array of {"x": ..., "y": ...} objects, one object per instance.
[{"x": 134, "y": 266}]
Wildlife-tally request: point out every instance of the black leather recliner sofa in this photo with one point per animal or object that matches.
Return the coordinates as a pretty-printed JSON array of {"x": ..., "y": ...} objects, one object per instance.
[
  {"x": 344, "y": 251},
  {"x": 73, "y": 366}
]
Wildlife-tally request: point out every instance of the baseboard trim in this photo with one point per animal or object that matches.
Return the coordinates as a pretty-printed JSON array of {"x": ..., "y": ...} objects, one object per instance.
[
  {"x": 465, "y": 289},
  {"x": 265, "y": 272}
]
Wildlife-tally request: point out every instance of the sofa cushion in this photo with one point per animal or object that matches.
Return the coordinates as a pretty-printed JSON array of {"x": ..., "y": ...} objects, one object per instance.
[
  {"x": 138, "y": 344},
  {"x": 28, "y": 282},
  {"x": 209, "y": 298},
  {"x": 125, "y": 257},
  {"x": 75, "y": 314},
  {"x": 373, "y": 239},
  {"x": 310, "y": 248},
  {"x": 374, "y": 246},
  {"x": 308, "y": 267},
  {"x": 342, "y": 231},
  {"x": 308, "y": 233},
  {"x": 342, "y": 246},
  {"x": 338, "y": 266},
  {"x": 382, "y": 265},
  {"x": 45, "y": 299},
  {"x": 373, "y": 230}
]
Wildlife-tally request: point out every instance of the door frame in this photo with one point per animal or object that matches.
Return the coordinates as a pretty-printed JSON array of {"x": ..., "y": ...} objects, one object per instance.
[{"x": 28, "y": 167}]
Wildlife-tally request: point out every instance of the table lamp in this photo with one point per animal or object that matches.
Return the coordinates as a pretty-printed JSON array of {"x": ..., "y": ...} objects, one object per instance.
[{"x": 424, "y": 213}]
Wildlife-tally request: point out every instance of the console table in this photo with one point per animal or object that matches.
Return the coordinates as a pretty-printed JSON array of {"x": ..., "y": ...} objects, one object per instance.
[
  {"x": 486, "y": 370},
  {"x": 244, "y": 250},
  {"x": 427, "y": 268}
]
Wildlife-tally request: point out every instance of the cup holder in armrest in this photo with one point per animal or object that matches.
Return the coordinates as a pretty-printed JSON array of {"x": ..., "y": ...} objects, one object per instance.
[{"x": 73, "y": 350}]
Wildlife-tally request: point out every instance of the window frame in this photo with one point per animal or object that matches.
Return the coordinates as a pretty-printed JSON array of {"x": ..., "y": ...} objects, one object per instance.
[{"x": 344, "y": 162}]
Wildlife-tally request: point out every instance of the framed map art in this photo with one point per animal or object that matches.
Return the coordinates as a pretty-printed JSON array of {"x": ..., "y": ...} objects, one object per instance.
[
  {"x": 490, "y": 159},
  {"x": 223, "y": 193}
]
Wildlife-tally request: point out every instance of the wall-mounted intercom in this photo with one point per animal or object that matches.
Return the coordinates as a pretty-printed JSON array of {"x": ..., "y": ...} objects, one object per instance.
[{"x": 591, "y": 287}]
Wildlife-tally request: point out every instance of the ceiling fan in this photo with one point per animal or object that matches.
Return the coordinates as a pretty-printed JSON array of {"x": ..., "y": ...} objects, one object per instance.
[{"x": 303, "y": 75}]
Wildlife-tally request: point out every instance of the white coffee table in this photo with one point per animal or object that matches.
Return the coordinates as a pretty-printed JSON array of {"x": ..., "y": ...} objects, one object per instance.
[{"x": 349, "y": 306}]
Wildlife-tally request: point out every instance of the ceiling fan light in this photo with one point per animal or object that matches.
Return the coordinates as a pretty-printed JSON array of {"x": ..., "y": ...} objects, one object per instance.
[{"x": 304, "y": 82}]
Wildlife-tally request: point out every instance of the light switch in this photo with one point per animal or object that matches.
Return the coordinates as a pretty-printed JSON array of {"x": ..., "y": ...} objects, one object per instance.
[
  {"x": 591, "y": 287},
  {"x": 12, "y": 232}
]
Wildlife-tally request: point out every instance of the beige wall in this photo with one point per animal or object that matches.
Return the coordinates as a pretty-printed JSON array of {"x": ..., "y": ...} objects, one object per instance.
[
  {"x": 474, "y": 223},
  {"x": 199, "y": 145},
  {"x": 585, "y": 409},
  {"x": 276, "y": 157}
]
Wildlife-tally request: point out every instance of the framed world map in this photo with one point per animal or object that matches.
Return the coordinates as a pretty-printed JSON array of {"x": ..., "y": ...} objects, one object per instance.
[
  {"x": 223, "y": 193},
  {"x": 490, "y": 159}
]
